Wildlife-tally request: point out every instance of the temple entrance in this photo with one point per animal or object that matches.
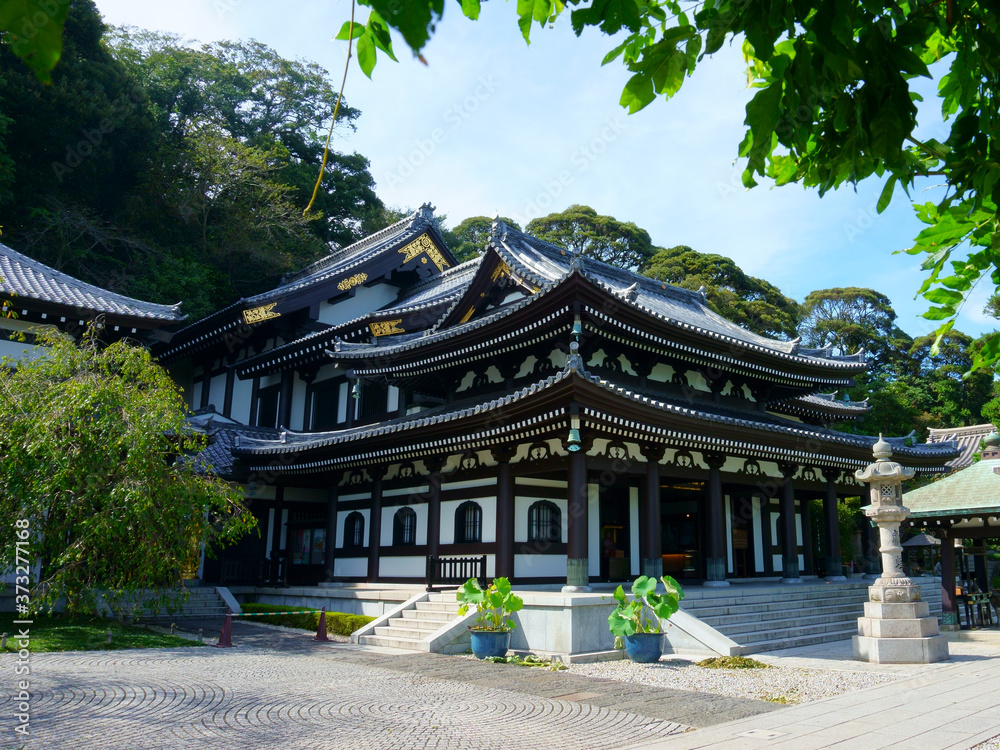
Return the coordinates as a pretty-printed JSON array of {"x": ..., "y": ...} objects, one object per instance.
[
  {"x": 681, "y": 518},
  {"x": 616, "y": 563}
]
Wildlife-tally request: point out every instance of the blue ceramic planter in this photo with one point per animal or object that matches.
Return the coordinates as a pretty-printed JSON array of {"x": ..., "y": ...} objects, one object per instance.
[
  {"x": 644, "y": 648},
  {"x": 490, "y": 643}
]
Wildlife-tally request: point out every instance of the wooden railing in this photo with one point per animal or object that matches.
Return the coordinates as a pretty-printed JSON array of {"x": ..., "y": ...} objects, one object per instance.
[{"x": 454, "y": 571}]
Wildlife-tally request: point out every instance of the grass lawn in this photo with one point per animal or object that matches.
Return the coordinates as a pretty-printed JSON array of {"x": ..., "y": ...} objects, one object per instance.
[{"x": 60, "y": 633}]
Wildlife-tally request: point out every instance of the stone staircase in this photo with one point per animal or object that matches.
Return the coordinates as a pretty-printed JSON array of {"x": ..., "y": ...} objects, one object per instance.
[
  {"x": 769, "y": 617},
  {"x": 202, "y": 602},
  {"x": 415, "y": 627}
]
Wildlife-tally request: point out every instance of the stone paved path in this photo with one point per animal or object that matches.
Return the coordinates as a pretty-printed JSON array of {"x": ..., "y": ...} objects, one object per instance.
[{"x": 277, "y": 690}]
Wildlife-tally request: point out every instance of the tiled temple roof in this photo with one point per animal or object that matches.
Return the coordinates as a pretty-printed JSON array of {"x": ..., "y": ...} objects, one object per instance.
[
  {"x": 29, "y": 279},
  {"x": 966, "y": 438},
  {"x": 428, "y": 295},
  {"x": 545, "y": 263},
  {"x": 300, "y": 442}
]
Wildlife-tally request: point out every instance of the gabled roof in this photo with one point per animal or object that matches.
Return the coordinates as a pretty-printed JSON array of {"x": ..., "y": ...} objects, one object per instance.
[
  {"x": 824, "y": 406},
  {"x": 966, "y": 438},
  {"x": 545, "y": 263},
  {"x": 30, "y": 280},
  {"x": 333, "y": 275}
]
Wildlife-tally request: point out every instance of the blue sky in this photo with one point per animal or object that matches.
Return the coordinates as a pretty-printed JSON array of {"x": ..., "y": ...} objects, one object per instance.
[{"x": 491, "y": 125}]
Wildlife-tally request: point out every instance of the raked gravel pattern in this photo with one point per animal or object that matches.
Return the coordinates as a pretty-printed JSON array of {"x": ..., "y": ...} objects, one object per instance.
[
  {"x": 993, "y": 744},
  {"x": 776, "y": 684}
]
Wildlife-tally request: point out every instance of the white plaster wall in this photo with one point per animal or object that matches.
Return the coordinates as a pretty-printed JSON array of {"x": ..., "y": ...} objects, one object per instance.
[
  {"x": 351, "y": 567},
  {"x": 342, "y": 398},
  {"x": 468, "y": 484},
  {"x": 242, "y": 393},
  {"x": 365, "y": 299},
  {"x": 633, "y": 525},
  {"x": 521, "y": 505},
  {"x": 342, "y": 519},
  {"x": 196, "y": 395},
  {"x": 489, "y": 507},
  {"x": 388, "y": 514},
  {"x": 411, "y": 566},
  {"x": 532, "y": 566},
  {"x": 217, "y": 392},
  {"x": 533, "y": 482},
  {"x": 327, "y": 372},
  {"x": 298, "y": 413},
  {"x": 594, "y": 530},
  {"x": 392, "y": 399},
  {"x": 661, "y": 373},
  {"x": 268, "y": 380}
]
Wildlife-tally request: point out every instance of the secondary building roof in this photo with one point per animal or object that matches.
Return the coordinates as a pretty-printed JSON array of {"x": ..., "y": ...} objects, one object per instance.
[{"x": 30, "y": 280}]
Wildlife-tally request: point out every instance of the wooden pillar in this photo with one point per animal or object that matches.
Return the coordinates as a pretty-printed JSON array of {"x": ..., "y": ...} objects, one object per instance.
[
  {"x": 329, "y": 559},
  {"x": 577, "y": 562},
  {"x": 786, "y": 527},
  {"x": 434, "y": 504},
  {"x": 651, "y": 528},
  {"x": 227, "y": 399},
  {"x": 715, "y": 521},
  {"x": 285, "y": 399},
  {"x": 831, "y": 527},
  {"x": 352, "y": 402},
  {"x": 375, "y": 523},
  {"x": 949, "y": 606},
  {"x": 505, "y": 514}
]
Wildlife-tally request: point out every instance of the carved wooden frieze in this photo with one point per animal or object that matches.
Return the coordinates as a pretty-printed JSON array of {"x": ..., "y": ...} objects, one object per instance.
[{"x": 424, "y": 244}]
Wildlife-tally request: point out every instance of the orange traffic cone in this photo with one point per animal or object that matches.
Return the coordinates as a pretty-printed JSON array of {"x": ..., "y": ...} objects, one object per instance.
[
  {"x": 321, "y": 630},
  {"x": 226, "y": 636}
]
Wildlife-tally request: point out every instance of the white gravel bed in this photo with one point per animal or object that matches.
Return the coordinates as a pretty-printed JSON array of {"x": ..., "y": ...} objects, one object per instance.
[{"x": 777, "y": 684}]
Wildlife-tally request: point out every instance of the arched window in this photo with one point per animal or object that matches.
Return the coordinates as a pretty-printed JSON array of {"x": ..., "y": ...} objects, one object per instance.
[
  {"x": 468, "y": 523},
  {"x": 354, "y": 530},
  {"x": 544, "y": 522},
  {"x": 404, "y": 526}
]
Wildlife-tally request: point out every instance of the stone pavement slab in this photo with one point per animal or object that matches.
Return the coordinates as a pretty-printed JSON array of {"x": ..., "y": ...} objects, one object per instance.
[
  {"x": 283, "y": 690},
  {"x": 952, "y": 705}
]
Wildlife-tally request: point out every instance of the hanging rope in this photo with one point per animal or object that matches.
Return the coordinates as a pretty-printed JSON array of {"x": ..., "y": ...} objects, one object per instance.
[{"x": 336, "y": 108}]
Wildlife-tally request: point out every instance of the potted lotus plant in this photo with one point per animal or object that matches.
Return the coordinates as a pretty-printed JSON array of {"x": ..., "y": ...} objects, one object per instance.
[
  {"x": 637, "y": 621},
  {"x": 494, "y": 606}
]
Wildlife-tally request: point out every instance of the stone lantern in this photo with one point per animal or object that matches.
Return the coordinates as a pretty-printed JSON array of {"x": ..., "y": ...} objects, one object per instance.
[{"x": 897, "y": 627}]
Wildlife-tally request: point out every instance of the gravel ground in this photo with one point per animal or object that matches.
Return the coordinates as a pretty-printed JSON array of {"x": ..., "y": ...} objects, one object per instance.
[{"x": 777, "y": 684}]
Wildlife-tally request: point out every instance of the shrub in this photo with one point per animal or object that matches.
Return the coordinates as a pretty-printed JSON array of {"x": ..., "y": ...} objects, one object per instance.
[{"x": 339, "y": 623}]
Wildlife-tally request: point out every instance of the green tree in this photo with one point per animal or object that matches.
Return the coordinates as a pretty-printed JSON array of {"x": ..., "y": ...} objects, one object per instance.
[
  {"x": 470, "y": 236},
  {"x": 753, "y": 303},
  {"x": 835, "y": 101},
  {"x": 90, "y": 440},
  {"x": 582, "y": 230},
  {"x": 850, "y": 319}
]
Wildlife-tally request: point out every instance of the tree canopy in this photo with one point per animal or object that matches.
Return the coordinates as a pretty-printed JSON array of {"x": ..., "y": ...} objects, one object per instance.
[
  {"x": 471, "y": 235},
  {"x": 171, "y": 172},
  {"x": 90, "y": 440},
  {"x": 753, "y": 303},
  {"x": 582, "y": 230}
]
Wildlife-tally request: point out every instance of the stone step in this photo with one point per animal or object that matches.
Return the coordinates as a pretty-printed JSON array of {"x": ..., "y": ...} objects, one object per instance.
[
  {"x": 437, "y": 607},
  {"x": 782, "y": 643},
  {"x": 429, "y": 614},
  {"x": 792, "y": 632},
  {"x": 412, "y": 623},
  {"x": 743, "y": 625},
  {"x": 410, "y": 644},
  {"x": 409, "y": 634},
  {"x": 760, "y": 614}
]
